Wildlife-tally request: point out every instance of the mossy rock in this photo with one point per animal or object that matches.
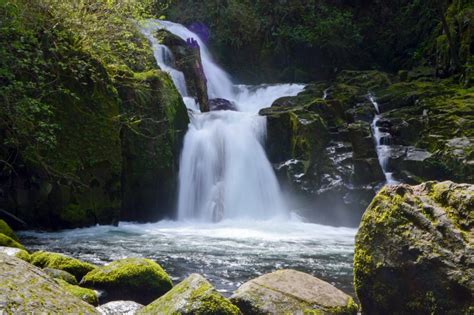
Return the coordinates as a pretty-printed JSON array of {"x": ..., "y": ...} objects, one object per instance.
[
  {"x": 194, "y": 295},
  {"x": 9, "y": 242},
  {"x": 291, "y": 292},
  {"x": 414, "y": 250},
  {"x": 16, "y": 252},
  {"x": 137, "y": 279},
  {"x": 87, "y": 295},
  {"x": 26, "y": 289},
  {"x": 62, "y": 262},
  {"x": 7, "y": 230},
  {"x": 61, "y": 275}
]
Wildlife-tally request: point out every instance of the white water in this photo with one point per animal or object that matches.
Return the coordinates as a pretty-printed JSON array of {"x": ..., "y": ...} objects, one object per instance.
[
  {"x": 383, "y": 149},
  {"x": 224, "y": 172}
]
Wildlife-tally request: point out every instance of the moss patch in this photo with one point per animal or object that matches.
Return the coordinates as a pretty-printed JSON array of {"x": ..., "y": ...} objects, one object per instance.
[
  {"x": 9, "y": 242},
  {"x": 87, "y": 295},
  {"x": 62, "y": 262}
]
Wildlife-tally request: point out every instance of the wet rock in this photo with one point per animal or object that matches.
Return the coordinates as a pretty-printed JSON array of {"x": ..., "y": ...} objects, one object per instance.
[
  {"x": 26, "y": 289},
  {"x": 62, "y": 262},
  {"x": 126, "y": 279},
  {"x": 221, "y": 104},
  {"x": 291, "y": 292},
  {"x": 120, "y": 307},
  {"x": 194, "y": 295},
  {"x": 188, "y": 60},
  {"x": 414, "y": 250}
]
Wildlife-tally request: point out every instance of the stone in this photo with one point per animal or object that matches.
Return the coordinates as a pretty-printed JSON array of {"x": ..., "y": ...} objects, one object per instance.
[
  {"x": 291, "y": 292},
  {"x": 414, "y": 250},
  {"x": 194, "y": 295},
  {"x": 221, "y": 104},
  {"x": 26, "y": 289},
  {"x": 120, "y": 307},
  {"x": 137, "y": 279},
  {"x": 62, "y": 262}
]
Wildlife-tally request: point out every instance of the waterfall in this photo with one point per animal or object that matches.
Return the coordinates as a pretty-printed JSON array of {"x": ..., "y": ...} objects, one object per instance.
[
  {"x": 382, "y": 145},
  {"x": 224, "y": 172}
]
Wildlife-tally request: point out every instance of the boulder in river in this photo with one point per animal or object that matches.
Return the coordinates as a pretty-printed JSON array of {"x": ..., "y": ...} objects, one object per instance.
[
  {"x": 87, "y": 295},
  {"x": 194, "y": 295},
  {"x": 414, "y": 250},
  {"x": 291, "y": 292},
  {"x": 137, "y": 279},
  {"x": 61, "y": 275},
  {"x": 26, "y": 289},
  {"x": 221, "y": 104},
  {"x": 62, "y": 262}
]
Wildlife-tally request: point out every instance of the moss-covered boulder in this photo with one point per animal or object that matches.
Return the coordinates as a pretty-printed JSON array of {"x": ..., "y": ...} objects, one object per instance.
[
  {"x": 291, "y": 292},
  {"x": 137, "y": 279},
  {"x": 414, "y": 250},
  {"x": 194, "y": 295},
  {"x": 61, "y": 275},
  {"x": 62, "y": 262},
  {"x": 16, "y": 252},
  {"x": 87, "y": 295},
  {"x": 26, "y": 289},
  {"x": 7, "y": 230},
  {"x": 9, "y": 242}
]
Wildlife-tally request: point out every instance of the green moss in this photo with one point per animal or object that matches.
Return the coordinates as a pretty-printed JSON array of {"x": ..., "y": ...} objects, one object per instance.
[
  {"x": 61, "y": 274},
  {"x": 194, "y": 295},
  {"x": 127, "y": 278},
  {"x": 7, "y": 230},
  {"x": 24, "y": 255},
  {"x": 87, "y": 295},
  {"x": 9, "y": 242},
  {"x": 58, "y": 261}
]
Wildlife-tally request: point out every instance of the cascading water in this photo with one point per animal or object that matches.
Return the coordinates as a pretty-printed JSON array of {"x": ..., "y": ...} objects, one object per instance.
[
  {"x": 382, "y": 147},
  {"x": 224, "y": 172}
]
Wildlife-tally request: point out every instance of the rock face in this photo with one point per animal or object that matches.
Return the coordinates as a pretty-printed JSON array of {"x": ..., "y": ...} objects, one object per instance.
[
  {"x": 62, "y": 262},
  {"x": 24, "y": 288},
  {"x": 137, "y": 279},
  {"x": 414, "y": 250},
  {"x": 16, "y": 252},
  {"x": 291, "y": 292},
  {"x": 194, "y": 295},
  {"x": 188, "y": 60}
]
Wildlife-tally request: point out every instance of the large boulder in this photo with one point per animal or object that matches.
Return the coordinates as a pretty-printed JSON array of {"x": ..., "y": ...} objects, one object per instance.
[
  {"x": 194, "y": 295},
  {"x": 61, "y": 262},
  {"x": 291, "y": 292},
  {"x": 414, "y": 250},
  {"x": 221, "y": 104},
  {"x": 26, "y": 289},
  {"x": 87, "y": 295},
  {"x": 137, "y": 279}
]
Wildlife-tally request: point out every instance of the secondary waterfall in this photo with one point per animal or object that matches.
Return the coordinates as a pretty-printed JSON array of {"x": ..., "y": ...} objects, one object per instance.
[
  {"x": 382, "y": 143},
  {"x": 224, "y": 172}
]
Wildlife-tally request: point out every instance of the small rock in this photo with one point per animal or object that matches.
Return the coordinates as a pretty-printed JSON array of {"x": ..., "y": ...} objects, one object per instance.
[
  {"x": 291, "y": 292},
  {"x": 120, "y": 307},
  {"x": 221, "y": 104},
  {"x": 61, "y": 274}
]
